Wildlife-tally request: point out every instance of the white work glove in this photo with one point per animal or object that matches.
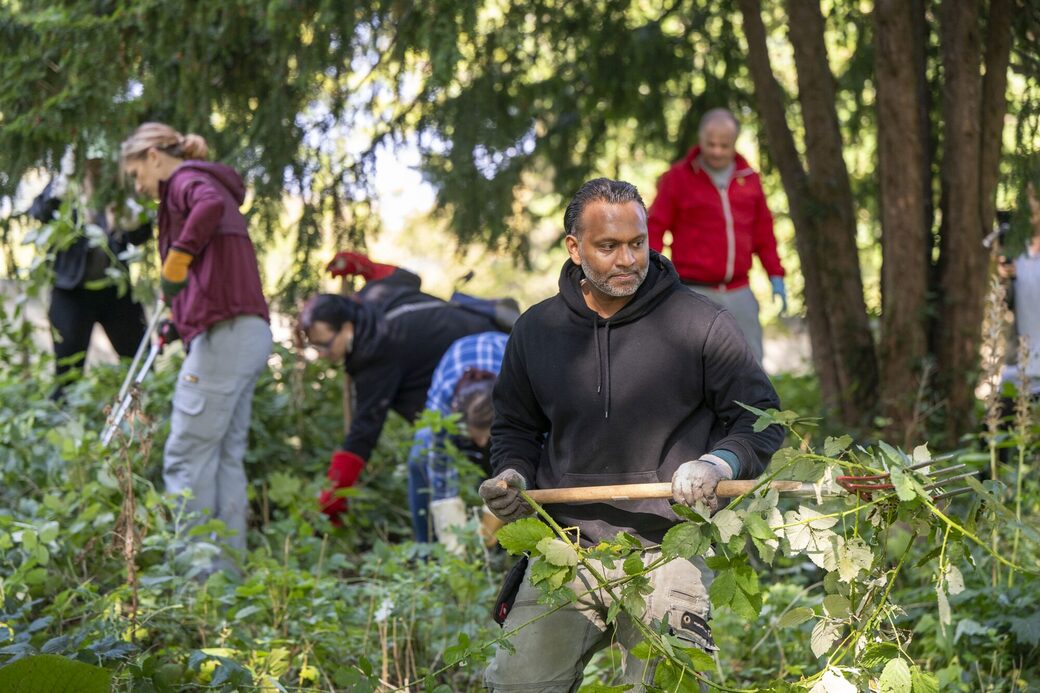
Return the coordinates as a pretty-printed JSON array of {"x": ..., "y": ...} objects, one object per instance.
[
  {"x": 696, "y": 481},
  {"x": 502, "y": 495}
]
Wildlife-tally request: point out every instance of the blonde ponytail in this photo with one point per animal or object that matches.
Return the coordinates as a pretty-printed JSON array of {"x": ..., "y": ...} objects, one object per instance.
[{"x": 164, "y": 138}]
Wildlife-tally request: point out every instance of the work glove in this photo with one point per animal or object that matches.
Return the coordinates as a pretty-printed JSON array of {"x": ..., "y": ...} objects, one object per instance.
[
  {"x": 347, "y": 263},
  {"x": 502, "y": 495},
  {"x": 344, "y": 470},
  {"x": 779, "y": 292},
  {"x": 168, "y": 332},
  {"x": 696, "y": 481},
  {"x": 174, "y": 275}
]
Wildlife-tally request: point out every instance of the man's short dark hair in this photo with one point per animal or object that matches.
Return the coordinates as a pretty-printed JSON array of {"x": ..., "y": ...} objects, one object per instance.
[{"x": 616, "y": 192}]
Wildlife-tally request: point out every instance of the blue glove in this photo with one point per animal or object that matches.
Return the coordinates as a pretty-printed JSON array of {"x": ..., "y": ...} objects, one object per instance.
[{"x": 779, "y": 290}]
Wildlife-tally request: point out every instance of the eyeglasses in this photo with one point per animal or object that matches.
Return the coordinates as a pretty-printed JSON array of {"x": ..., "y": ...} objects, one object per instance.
[{"x": 323, "y": 346}]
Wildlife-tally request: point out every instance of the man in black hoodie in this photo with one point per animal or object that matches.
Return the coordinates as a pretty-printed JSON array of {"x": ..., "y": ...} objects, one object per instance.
[{"x": 626, "y": 376}]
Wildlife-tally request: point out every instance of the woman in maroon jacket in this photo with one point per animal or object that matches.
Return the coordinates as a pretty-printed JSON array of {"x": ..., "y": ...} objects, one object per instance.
[{"x": 211, "y": 282}]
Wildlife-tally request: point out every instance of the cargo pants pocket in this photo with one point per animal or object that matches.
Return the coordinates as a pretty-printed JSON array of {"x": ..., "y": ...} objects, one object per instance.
[{"x": 688, "y": 620}]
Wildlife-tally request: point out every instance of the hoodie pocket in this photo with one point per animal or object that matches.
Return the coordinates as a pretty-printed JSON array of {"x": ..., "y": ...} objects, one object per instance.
[{"x": 600, "y": 479}]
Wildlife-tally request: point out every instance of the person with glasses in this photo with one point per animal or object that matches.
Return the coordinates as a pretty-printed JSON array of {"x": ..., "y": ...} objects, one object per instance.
[{"x": 390, "y": 355}]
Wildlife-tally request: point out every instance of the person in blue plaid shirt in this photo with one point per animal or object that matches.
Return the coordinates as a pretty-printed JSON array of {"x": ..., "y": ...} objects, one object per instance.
[{"x": 461, "y": 384}]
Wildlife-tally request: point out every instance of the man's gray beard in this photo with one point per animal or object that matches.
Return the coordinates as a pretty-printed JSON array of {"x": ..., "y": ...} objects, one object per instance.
[{"x": 599, "y": 281}]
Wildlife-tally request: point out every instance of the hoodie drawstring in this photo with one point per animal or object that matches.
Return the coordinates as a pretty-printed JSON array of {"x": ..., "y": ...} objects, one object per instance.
[
  {"x": 600, "y": 366},
  {"x": 606, "y": 404}
]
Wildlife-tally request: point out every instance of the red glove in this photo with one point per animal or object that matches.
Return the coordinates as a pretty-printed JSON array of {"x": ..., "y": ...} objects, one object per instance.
[
  {"x": 347, "y": 263},
  {"x": 344, "y": 470}
]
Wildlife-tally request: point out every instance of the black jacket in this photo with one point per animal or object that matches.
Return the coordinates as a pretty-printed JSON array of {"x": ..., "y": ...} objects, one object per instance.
[
  {"x": 583, "y": 401},
  {"x": 70, "y": 265},
  {"x": 393, "y": 360}
]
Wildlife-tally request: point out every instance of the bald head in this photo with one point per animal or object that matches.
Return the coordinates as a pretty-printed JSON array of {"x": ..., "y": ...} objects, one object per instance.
[{"x": 718, "y": 138}]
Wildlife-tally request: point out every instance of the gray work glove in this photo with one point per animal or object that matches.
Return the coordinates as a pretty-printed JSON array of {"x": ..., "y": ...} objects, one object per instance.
[
  {"x": 696, "y": 481},
  {"x": 502, "y": 495}
]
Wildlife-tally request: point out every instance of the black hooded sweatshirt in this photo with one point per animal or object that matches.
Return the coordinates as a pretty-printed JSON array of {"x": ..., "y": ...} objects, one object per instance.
[
  {"x": 393, "y": 360},
  {"x": 587, "y": 401}
]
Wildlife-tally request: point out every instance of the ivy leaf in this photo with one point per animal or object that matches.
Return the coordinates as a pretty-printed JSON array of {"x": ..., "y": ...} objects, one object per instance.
[
  {"x": 557, "y": 552},
  {"x": 728, "y": 522},
  {"x": 853, "y": 557},
  {"x": 795, "y": 617},
  {"x": 896, "y": 677},
  {"x": 523, "y": 535},
  {"x": 824, "y": 634},
  {"x": 685, "y": 540},
  {"x": 832, "y": 447}
]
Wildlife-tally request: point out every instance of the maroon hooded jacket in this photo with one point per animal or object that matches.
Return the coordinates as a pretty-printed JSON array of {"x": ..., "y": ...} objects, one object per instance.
[{"x": 198, "y": 213}]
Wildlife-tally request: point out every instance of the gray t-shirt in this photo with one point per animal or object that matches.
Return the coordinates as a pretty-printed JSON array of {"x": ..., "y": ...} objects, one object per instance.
[{"x": 720, "y": 176}]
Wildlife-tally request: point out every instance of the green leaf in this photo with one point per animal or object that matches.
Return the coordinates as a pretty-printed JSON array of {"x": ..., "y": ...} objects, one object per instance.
[
  {"x": 523, "y": 535},
  {"x": 758, "y": 527},
  {"x": 722, "y": 589},
  {"x": 896, "y": 677},
  {"x": 1026, "y": 630},
  {"x": 921, "y": 454},
  {"x": 922, "y": 681},
  {"x": 837, "y": 606},
  {"x": 853, "y": 557},
  {"x": 832, "y": 447},
  {"x": 904, "y": 484},
  {"x": 824, "y": 635},
  {"x": 557, "y": 552},
  {"x": 54, "y": 674},
  {"x": 49, "y": 532},
  {"x": 728, "y": 522},
  {"x": 954, "y": 579},
  {"x": 633, "y": 564},
  {"x": 685, "y": 540},
  {"x": 795, "y": 617},
  {"x": 877, "y": 652}
]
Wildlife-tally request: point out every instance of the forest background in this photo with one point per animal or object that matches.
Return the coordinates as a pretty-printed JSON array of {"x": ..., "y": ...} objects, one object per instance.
[{"x": 888, "y": 133}]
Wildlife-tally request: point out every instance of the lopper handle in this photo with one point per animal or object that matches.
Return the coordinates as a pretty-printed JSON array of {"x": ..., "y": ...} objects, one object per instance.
[{"x": 625, "y": 492}]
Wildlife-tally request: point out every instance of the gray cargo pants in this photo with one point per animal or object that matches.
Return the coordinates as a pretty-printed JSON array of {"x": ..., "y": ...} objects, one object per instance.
[
  {"x": 209, "y": 427},
  {"x": 744, "y": 307},
  {"x": 551, "y": 652}
]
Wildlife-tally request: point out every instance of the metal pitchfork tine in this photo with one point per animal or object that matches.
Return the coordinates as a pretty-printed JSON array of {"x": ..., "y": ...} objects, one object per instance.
[{"x": 865, "y": 485}]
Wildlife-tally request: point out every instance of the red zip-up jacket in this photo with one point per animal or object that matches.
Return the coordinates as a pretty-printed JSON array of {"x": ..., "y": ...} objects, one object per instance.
[
  {"x": 713, "y": 236},
  {"x": 198, "y": 213}
]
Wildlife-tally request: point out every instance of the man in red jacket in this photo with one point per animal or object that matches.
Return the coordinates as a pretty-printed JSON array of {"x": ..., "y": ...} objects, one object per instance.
[{"x": 712, "y": 202}]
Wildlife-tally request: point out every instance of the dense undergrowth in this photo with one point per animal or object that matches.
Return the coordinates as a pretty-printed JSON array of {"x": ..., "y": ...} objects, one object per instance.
[{"x": 896, "y": 592}]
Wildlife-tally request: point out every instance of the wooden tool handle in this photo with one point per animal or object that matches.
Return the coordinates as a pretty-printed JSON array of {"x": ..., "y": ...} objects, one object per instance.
[{"x": 625, "y": 492}]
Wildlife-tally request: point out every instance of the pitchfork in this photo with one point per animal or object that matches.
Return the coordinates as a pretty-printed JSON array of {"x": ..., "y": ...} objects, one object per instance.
[{"x": 862, "y": 486}]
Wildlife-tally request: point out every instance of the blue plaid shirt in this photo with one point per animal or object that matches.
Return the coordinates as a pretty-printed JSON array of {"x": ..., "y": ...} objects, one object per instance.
[{"x": 482, "y": 351}]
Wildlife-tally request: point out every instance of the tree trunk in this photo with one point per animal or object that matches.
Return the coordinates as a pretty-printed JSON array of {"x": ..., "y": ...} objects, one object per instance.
[
  {"x": 994, "y": 104},
  {"x": 905, "y": 240},
  {"x": 962, "y": 260},
  {"x": 822, "y": 209},
  {"x": 780, "y": 142},
  {"x": 834, "y": 219}
]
